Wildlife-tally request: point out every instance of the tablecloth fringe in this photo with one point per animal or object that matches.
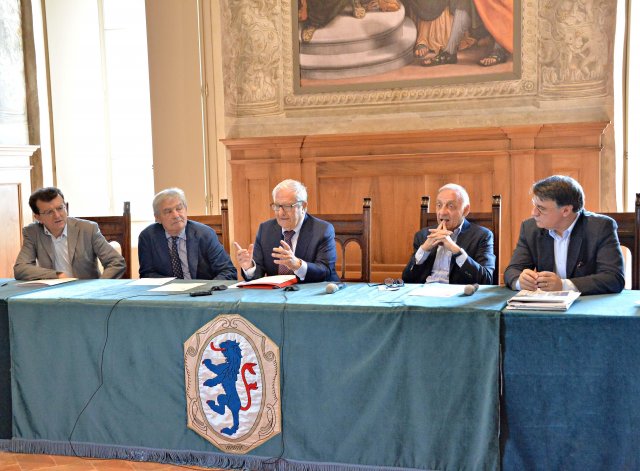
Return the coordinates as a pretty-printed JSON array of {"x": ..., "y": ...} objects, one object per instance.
[{"x": 177, "y": 457}]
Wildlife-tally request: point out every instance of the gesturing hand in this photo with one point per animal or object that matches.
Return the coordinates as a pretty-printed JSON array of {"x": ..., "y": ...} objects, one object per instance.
[
  {"x": 244, "y": 256},
  {"x": 284, "y": 255}
]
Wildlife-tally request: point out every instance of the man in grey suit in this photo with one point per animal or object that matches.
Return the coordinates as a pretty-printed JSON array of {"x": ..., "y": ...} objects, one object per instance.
[
  {"x": 58, "y": 246},
  {"x": 456, "y": 251},
  {"x": 294, "y": 242},
  {"x": 175, "y": 246},
  {"x": 563, "y": 246}
]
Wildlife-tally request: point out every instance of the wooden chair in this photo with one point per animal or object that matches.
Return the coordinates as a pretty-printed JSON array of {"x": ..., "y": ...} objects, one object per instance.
[
  {"x": 218, "y": 222},
  {"x": 117, "y": 229},
  {"x": 353, "y": 228},
  {"x": 491, "y": 220},
  {"x": 629, "y": 236}
]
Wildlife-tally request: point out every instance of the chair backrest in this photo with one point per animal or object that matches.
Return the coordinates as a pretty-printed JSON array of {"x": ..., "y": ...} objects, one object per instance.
[
  {"x": 117, "y": 229},
  {"x": 218, "y": 222},
  {"x": 491, "y": 220},
  {"x": 629, "y": 236},
  {"x": 353, "y": 228}
]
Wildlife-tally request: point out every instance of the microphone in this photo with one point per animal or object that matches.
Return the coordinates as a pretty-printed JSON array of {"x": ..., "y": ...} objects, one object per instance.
[
  {"x": 470, "y": 289},
  {"x": 333, "y": 287}
]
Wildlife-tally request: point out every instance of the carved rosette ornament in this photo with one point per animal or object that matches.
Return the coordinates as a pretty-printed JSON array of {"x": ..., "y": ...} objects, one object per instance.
[
  {"x": 576, "y": 47},
  {"x": 252, "y": 33}
]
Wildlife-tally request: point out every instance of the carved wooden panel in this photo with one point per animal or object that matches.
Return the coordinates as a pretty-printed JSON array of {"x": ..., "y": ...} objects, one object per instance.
[
  {"x": 11, "y": 228},
  {"x": 397, "y": 169}
]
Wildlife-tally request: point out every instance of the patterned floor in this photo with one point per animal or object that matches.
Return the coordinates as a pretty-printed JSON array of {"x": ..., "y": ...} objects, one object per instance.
[{"x": 27, "y": 462}]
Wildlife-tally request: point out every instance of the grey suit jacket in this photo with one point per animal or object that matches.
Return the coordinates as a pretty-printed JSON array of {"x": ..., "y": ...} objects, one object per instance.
[
  {"x": 594, "y": 259},
  {"x": 86, "y": 245}
]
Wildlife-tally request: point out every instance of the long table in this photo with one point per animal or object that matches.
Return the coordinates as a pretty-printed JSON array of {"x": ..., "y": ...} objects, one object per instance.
[
  {"x": 570, "y": 392},
  {"x": 370, "y": 378}
]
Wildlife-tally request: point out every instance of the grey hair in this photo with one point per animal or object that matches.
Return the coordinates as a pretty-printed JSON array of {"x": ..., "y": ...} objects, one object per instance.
[
  {"x": 165, "y": 195},
  {"x": 462, "y": 193},
  {"x": 298, "y": 188}
]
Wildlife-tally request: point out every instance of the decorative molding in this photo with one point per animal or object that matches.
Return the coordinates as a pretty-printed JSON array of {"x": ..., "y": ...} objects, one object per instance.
[
  {"x": 576, "y": 47},
  {"x": 251, "y": 57}
]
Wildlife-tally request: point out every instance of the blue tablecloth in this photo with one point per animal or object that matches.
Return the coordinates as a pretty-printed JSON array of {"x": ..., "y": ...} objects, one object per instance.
[
  {"x": 369, "y": 378},
  {"x": 572, "y": 386}
]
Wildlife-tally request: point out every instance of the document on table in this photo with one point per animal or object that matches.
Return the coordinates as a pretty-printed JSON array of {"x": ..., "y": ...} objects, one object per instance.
[
  {"x": 177, "y": 287},
  {"x": 438, "y": 290},
  {"x": 49, "y": 282},
  {"x": 151, "y": 281}
]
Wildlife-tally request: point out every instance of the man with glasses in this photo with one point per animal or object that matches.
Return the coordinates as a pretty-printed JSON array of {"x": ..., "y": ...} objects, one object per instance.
[
  {"x": 58, "y": 246},
  {"x": 294, "y": 242},
  {"x": 565, "y": 247},
  {"x": 456, "y": 251},
  {"x": 177, "y": 247}
]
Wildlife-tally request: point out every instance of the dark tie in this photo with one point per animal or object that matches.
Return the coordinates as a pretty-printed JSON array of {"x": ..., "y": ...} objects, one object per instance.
[
  {"x": 283, "y": 269},
  {"x": 176, "y": 265}
]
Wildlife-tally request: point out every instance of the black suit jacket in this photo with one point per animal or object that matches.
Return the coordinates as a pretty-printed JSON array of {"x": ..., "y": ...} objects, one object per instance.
[
  {"x": 316, "y": 246},
  {"x": 206, "y": 257},
  {"x": 594, "y": 259},
  {"x": 476, "y": 240}
]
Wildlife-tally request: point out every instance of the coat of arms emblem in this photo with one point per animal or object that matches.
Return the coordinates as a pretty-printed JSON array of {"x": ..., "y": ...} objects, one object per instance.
[{"x": 232, "y": 384}]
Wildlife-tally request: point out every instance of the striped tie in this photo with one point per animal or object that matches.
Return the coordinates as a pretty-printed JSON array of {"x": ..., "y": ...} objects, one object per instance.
[{"x": 283, "y": 269}]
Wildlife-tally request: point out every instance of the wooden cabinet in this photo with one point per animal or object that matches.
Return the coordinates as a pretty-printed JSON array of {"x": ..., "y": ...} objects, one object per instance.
[{"x": 15, "y": 188}]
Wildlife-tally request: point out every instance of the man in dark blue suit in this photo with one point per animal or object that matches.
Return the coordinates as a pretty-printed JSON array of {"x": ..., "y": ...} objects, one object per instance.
[
  {"x": 293, "y": 242},
  {"x": 454, "y": 252},
  {"x": 175, "y": 246}
]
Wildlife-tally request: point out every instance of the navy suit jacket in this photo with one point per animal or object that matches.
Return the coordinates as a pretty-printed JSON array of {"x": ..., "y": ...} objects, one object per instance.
[
  {"x": 594, "y": 259},
  {"x": 316, "y": 246},
  {"x": 206, "y": 256},
  {"x": 476, "y": 240}
]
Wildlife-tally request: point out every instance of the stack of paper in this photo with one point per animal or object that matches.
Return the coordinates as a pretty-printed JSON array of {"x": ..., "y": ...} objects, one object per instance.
[{"x": 542, "y": 300}]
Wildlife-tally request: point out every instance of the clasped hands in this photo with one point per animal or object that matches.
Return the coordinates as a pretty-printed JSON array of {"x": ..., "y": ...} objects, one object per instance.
[
  {"x": 440, "y": 236},
  {"x": 545, "y": 280},
  {"x": 282, "y": 255}
]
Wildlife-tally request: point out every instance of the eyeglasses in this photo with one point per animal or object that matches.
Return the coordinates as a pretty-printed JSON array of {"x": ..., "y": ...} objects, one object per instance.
[
  {"x": 287, "y": 207},
  {"x": 50, "y": 212},
  {"x": 218, "y": 287},
  {"x": 390, "y": 283}
]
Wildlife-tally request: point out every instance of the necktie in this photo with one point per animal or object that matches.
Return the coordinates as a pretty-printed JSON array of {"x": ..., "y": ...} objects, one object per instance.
[
  {"x": 176, "y": 265},
  {"x": 283, "y": 269}
]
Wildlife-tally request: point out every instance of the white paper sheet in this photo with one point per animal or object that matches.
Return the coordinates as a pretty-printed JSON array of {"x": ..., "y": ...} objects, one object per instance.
[
  {"x": 177, "y": 287},
  {"x": 438, "y": 290},
  {"x": 151, "y": 281}
]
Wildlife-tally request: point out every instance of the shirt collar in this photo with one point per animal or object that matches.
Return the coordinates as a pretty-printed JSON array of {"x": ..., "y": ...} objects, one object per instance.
[
  {"x": 64, "y": 232},
  {"x": 182, "y": 235},
  {"x": 567, "y": 233},
  {"x": 298, "y": 227}
]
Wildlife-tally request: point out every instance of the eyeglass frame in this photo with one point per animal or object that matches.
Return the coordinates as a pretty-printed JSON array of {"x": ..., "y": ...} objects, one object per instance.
[
  {"x": 50, "y": 212},
  {"x": 389, "y": 283},
  {"x": 287, "y": 208}
]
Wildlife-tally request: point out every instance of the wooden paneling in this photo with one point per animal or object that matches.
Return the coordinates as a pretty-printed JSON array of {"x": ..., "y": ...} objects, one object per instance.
[
  {"x": 396, "y": 169},
  {"x": 15, "y": 188}
]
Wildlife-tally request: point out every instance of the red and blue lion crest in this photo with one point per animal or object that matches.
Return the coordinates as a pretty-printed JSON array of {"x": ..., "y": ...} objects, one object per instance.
[{"x": 227, "y": 376}]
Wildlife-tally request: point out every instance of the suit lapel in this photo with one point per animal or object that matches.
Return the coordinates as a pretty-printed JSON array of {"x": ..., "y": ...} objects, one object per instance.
[
  {"x": 273, "y": 238},
  {"x": 192, "y": 250},
  {"x": 546, "y": 260},
  {"x": 304, "y": 238},
  {"x": 460, "y": 241},
  {"x": 575, "y": 246},
  {"x": 47, "y": 243},
  {"x": 72, "y": 238}
]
